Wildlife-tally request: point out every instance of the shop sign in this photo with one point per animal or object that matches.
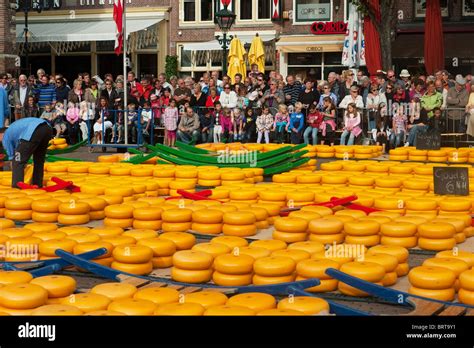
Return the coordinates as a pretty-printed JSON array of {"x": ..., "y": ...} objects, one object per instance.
[
  {"x": 329, "y": 28},
  {"x": 314, "y": 48},
  {"x": 35, "y": 4},
  {"x": 84, "y": 3}
]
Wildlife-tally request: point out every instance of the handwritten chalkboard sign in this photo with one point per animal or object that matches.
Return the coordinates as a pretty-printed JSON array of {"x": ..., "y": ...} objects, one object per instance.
[
  {"x": 451, "y": 181},
  {"x": 428, "y": 141}
]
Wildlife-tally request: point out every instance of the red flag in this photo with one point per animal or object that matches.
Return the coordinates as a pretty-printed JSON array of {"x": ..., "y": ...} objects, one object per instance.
[
  {"x": 118, "y": 18},
  {"x": 434, "y": 40},
  {"x": 372, "y": 40}
]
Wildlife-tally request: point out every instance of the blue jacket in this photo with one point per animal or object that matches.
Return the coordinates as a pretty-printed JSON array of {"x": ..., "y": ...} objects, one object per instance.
[
  {"x": 294, "y": 119},
  {"x": 22, "y": 129},
  {"x": 4, "y": 107}
]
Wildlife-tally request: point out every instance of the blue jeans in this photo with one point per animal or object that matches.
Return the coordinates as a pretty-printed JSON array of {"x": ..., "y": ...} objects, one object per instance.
[
  {"x": 414, "y": 132},
  {"x": 396, "y": 140},
  {"x": 188, "y": 137},
  {"x": 314, "y": 135},
  {"x": 207, "y": 137},
  {"x": 344, "y": 136}
]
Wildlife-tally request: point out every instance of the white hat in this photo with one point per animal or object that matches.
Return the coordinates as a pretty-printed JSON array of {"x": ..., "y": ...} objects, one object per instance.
[
  {"x": 405, "y": 73},
  {"x": 460, "y": 80}
]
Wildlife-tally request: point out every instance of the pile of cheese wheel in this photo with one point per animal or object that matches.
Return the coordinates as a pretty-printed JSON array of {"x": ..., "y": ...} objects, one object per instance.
[
  {"x": 345, "y": 152},
  {"x": 443, "y": 276},
  {"x": 55, "y": 295},
  {"x": 445, "y": 154},
  {"x": 57, "y": 144}
]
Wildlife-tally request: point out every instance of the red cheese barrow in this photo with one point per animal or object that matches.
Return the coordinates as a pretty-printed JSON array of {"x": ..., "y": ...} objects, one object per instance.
[
  {"x": 334, "y": 202},
  {"x": 60, "y": 185}
]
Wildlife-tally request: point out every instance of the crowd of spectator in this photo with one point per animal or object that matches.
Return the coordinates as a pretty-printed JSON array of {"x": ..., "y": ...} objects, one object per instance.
[{"x": 390, "y": 109}]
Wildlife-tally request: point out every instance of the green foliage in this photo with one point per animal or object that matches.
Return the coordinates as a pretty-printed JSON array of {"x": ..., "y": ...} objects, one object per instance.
[
  {"x": 361, "y": 6},
  {"x": 171, "y": 66}
]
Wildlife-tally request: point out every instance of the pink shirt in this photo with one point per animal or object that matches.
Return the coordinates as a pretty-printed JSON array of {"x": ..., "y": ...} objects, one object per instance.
[
  {"x": 226, "y": 123},
  {"x": 72, "y": 115},
  {"x": 354, "y": 123},
  {"x": 170, "y": 118}
]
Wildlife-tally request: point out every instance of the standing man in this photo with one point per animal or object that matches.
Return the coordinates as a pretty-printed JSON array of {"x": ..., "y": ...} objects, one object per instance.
[
  {"x": 24, "y": 138},
  {"x": 20, "y": 96},
  {"x": 45, "y": 93},
  {"x": 292, "y": 90},
  {"x": 182, "y": 94}
]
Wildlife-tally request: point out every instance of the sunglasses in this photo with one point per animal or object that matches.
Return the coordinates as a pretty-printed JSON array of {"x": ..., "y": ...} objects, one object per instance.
[
  {"x": 226, "y": 87},
  {"x": 389, "y": 88}
]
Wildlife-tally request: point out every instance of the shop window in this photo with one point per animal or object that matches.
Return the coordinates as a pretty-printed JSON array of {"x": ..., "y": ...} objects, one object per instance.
[
  {"x": 189, "y": 10},
  {"x": 206, "y": 10},
  {"x": 309, "y": 11},
  {"x": 254, "y": 10},
  {"x": 314, "y": 65},
  {"x": 305, "y": 58},
  {"x": 147, "y": 64},
  {"x": 420, "y": 8},
  {"x": 186, "y": 58},
  {"x": 332, "y": 58}
]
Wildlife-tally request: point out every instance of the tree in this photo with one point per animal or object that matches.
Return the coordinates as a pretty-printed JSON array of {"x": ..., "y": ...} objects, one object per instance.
[{"x": 386, "y": 26}]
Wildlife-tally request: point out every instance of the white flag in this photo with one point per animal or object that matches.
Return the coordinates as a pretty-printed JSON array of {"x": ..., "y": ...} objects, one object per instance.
[{"x": 353, "y": 52}]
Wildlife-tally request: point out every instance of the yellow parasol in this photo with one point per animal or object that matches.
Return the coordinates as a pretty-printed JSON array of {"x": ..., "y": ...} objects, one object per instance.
[
  {"x": 236, "y": 59},
  {"x": 257, "y": 54}
]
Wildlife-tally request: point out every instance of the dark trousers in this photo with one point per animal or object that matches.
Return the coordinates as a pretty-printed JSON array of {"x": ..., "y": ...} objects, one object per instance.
[{"x": 37, "y": 146}]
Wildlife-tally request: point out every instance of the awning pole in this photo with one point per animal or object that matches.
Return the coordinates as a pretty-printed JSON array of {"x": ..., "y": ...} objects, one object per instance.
[{"x": 125, "y": 99}]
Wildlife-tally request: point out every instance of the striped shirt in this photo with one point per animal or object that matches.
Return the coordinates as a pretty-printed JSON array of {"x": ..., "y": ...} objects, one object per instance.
[
  {"x": 294, "y": 91},
  {"x": 46, "y": 94}
]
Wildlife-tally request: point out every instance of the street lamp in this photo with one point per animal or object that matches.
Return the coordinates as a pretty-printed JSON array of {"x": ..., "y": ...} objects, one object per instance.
[
  {"x": 38, "y": 6},
  {"x": 225, "y": 20}
]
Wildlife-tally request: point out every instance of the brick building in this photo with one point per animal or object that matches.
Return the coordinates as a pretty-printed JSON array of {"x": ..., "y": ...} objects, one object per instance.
[{"x": 80, "y": 37}]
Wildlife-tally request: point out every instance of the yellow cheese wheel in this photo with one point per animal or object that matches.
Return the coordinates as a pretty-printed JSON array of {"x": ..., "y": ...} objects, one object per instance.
[
  {"x": 466, "y": 297},
  {"x": 227, "y": 310},
  {"x": 327, "y": 238},
  {"x": 131, "y": 306},
  {"x": 20, "y": 203},
  {"x": 436, "y": 230},
  {"x": 115, "y": 291},
  {"x": 207, "y": 228},
  {"x": 233, "y": 264},
  {"x": 176, "y": 226},
  {"x": 291, "y": 225},
  {"x": 84, "y": 237},
  {"x": 207, "y": 216},
  {"x": 158, "y": 295},
  {"x": 122, "y": 223},
  {"x": 182, "y": 240},
  {"x": 289, "y": 237},
  {"x": 16, "y": 232},
  {"x": 421, "y": 204},
  {"x": 214, "y": 249},
  {"x": 232, "y": 241},
  {"x": 458, "y": 224},
  {"x": 23, "y": 296},
  {"x": 44, "y": 236},
  {"x": 399, "y": 252},
  {"x": 89, "y": 246},
  {"x": 162, "y": 261},
  {"x": 455, "y": 265},
  {"x": 132, "y": 254},
  {"x": 369, "y": 271},
  {"x": 398, "y": 229},
  {"x": 18, "y": 215},
  {"x": 254, "y": 252},
  {"x": 79, "y": 219},
  {"x": 436, "y": 244},
  {"x": 95, "y": 204},
  {"x": 56, "y": 310},
  {"x": 133, "y": 268},
  {"x": 118, "y": 240},
  {"x": 363, "y": 240},
  {"x": 437, "y": 294},
  {"x": 309, "y": 246},
  {"x": 149, "y": 225},
  {"x": 119, "y": 191},
  {"x": 239, "y": 218},
  {"x": 272, "y": 195},
  {"x": 253, "y": 300},
  {"x": 14, "y": 277},
  {"x": 107, "y": 231},
  {"x": 435, "y": 278},
  {"x": 188, "y": 276},
  {"x": 180, "y": 309},
  {"x": 455, "y": 205},
  {"x": 49, "y": 247},
  {"x": 326, "y": 285},
  {"x": 139, "y": 234},
  {"x": 388, "y": 262},
  {"x": 361, "y": 228},
  {"x": 305, "y": 304},
  {"x": 307, "y": 215},
  {"x": 223, "y": 279},
  {"x": 87, "y": 302},
  {"x": 274, "y": 266},
  {"x": 97, "y": 215},
  {"x": 110, "y": 199},
  {"x": 6, "y": 223},
  {"x": 119, "y": 211},
  {"x": 177, "y": 215},
  {"x": 466, "y": 256},
  {"x": 264, "y": 280},
  {"x": 68, "y": 230},
  {"x": 239, "y": 230},
  {"x": 315, "y": 268},
  {"x": 390, "y": 279},
  {"x": 356, "y": 214},
  {"x": 192, "y": 260},
  {"x": 46, "y": 205},
  {"x": 405, "y": 242},
  {"x": 361, "y": 181},
  {"x": 296, "y": 255},
  {"x": 351, "y": 291},
  {"x": 74, "y": 208},
  {"x": 402, "y": 269},
  {"x": 159, "y": 247},
  {"x": 206, "y": 298}
]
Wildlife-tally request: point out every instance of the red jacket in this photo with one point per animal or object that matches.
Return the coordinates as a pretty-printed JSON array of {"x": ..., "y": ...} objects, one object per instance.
[
  {"x": 210, "y": 102},
  {"x": 314, "y": 120}
]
